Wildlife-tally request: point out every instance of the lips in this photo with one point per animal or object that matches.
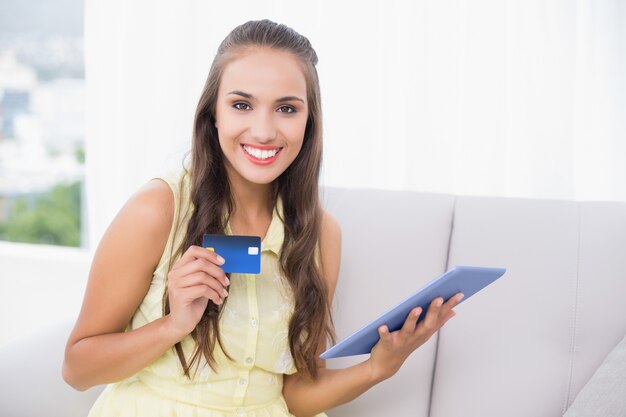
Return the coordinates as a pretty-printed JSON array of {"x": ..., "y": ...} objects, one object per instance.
[{"x": 261, "y": 155}]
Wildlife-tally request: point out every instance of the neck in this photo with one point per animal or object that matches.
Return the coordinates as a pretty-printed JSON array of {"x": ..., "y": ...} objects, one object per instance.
[
  {"x": 252, "y": 204},
  {"x": 252, "y": 201}
]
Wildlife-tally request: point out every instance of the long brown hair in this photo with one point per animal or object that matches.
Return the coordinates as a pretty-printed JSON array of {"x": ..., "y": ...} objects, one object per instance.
[{"x": 297, "y": 186}]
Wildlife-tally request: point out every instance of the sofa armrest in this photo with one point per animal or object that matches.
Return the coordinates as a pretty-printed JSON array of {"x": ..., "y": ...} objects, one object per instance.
[{"x": 31, "y": 379}]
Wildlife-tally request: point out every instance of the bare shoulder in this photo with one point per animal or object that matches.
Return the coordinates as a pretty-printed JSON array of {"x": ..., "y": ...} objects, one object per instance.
[
  {"x": 331, "y": 230},
  {"x": 155, "y": 201},
  {"x": 155, "y": 198},
  {"x": 125, "y": 260},
  {"x": 139, "y": 232},
  {"x": 146, "y": 217},
  {"x": 330, "y": 249}
]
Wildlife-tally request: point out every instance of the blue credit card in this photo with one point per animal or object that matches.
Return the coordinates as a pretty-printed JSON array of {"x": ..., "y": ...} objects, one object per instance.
[{"x": 241, "y": 253}]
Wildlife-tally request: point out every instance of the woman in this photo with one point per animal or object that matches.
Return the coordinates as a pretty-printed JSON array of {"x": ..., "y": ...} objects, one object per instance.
[{"x": 161, "y": 322}]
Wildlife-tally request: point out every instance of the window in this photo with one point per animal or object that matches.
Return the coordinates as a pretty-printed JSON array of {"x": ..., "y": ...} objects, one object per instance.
[{"x": 42, "y": 122}]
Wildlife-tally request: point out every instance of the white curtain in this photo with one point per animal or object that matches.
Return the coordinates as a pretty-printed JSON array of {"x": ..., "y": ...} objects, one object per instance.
[{"x": 518, "y": 98}]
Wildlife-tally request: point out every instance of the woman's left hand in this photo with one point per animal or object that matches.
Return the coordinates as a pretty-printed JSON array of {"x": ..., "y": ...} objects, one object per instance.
[{"x": 394, "y": 348}]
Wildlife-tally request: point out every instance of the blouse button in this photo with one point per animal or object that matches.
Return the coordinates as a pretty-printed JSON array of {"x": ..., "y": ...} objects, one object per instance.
[
  {"x": 240, "y": 411},
  {"x": 248, "y": 360},
  {"x": 242, "y": 382},
  {"x": 253, "y": 322}
]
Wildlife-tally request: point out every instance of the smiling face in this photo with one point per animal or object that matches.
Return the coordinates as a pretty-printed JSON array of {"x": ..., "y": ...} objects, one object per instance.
[{"x": 261, "y": 114}]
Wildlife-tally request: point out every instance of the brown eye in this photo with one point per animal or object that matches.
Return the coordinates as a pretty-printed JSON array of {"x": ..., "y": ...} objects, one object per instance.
[
  {"x": 241, "y": 106},
  {"x": 286, "y": 109}
]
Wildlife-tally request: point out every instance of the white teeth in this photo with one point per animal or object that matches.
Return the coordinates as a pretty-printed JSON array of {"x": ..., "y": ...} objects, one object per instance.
[{"x": 259, "y": 154}]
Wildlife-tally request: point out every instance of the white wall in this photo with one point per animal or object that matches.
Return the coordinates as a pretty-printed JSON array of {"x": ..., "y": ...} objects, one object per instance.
[{"x": 517, "y": 98}]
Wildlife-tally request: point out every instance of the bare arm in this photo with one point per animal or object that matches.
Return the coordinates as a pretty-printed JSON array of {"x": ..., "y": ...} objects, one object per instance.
[
  {"x": 334, "y": 387},
  {"x": 99, "y": 350}
]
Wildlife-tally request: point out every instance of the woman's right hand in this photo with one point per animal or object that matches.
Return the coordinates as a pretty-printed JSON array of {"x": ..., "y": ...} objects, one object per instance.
[{"x": 194, "y": 280}]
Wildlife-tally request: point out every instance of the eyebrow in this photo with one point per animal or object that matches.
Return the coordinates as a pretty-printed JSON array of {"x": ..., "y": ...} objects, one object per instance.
[{"x": 278, "y": 100}]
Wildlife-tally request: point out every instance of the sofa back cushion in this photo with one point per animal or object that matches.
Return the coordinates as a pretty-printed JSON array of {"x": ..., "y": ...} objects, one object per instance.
[
  {"x": 528, "y": 343},
  {"x": 393, "y": 243}
]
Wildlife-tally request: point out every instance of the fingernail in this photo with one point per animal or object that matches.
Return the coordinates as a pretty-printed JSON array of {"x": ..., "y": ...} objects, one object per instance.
[
  {"x": 417, "y": 312},
  {"x": 220, "y": 260},
  {"x": 461, "y": 297},
  {"x": 438, "y": 302},
  {"x": 225, "y": 293},
  {"x": 227, "y": 281}
]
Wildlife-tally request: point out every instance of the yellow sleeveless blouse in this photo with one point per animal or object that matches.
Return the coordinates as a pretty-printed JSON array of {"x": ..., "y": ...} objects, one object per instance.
[{"x": 254, "y": 331}]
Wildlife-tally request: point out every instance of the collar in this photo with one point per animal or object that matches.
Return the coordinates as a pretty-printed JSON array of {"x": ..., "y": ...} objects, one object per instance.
[{"x": 273, "y": 240}]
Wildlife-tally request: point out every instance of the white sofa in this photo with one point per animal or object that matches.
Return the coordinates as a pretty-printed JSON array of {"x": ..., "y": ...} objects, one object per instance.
[{"x": 525, "y": 346}]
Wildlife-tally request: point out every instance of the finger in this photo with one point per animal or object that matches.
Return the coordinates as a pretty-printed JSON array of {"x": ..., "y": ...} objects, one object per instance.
[
  {"x": 430, "y": 322},
  {"x": 450, "y": 315},
  {"x": 197, "y": 252},
  {"x": 411, "y": 322},
  {"x": 450, "y": 304},
  {"x": 385, "y": 336},
  {"x": 193, "y": 293},
  {"x": 205, "y": 266},
  {"x": 201, "y": 278},
  {"x": 455, "y": 300}
]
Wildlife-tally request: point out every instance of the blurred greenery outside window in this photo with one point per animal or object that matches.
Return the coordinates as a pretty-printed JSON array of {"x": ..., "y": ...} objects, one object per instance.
[{"x": 42, "y": 122}]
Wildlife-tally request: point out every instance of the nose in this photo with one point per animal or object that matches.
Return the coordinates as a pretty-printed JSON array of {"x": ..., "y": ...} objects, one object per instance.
[{"x": 263, "y": 128}]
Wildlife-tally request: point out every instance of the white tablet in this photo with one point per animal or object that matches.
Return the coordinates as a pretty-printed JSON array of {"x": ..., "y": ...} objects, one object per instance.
[{"x": 466, "y": 279}]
